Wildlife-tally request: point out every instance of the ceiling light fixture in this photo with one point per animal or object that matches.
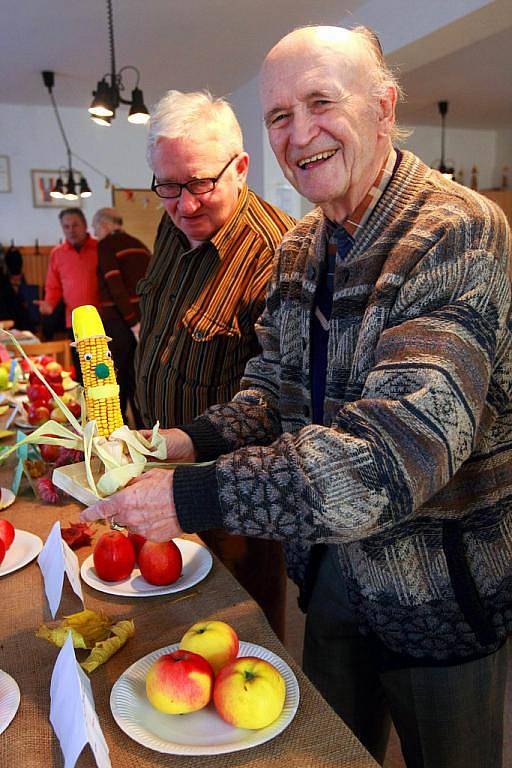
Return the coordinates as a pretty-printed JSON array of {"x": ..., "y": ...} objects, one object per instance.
[
  {"x": 107, "y": 96},
  {"x": 67, "y": 190},
  {"x": 446, "y": 168}
]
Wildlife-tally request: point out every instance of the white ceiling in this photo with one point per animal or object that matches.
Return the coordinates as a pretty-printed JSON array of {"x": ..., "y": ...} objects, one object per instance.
[{"x": 219, "y": 44}]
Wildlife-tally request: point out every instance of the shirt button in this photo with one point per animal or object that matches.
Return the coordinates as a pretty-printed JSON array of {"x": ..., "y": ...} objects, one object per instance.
[{"x": 199, "y": 335}]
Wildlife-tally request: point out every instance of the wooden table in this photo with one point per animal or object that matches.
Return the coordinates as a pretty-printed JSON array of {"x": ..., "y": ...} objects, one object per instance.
[{"x": 315, "y": 737}]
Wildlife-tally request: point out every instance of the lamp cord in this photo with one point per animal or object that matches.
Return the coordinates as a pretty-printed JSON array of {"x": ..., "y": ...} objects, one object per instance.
[
  {"x": 59, "y": 122},
  {"x": 110, "y": 15}
]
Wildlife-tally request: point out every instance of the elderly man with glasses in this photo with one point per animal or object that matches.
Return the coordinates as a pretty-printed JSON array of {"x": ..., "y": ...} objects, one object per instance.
[{"x": 203, "y": 292}]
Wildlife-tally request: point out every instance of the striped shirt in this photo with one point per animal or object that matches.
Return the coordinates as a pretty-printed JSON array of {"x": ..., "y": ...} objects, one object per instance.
[{"x": 198, "y": 309}]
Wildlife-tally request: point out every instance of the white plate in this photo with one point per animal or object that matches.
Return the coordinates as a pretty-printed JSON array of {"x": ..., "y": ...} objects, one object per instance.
[
  {"x": 198, "y": 733},
  {"x": 6, "y": 498},
  {"x": 22, "y": 424},
  {"x": 24, "y": 548},
  {"x": 9, "y": 699},
  {"x": 197, "y": 563}
]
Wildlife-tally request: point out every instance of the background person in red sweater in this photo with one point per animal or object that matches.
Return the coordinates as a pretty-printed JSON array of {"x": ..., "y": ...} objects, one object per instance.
[{"x": 72, "y": 271}]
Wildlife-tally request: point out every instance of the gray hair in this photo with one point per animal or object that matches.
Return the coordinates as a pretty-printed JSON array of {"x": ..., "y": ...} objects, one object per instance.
[
  {"x": 108, "y": 215},
  {"x": 177, "y": 114},
  {"x": 382, "y": 76}
]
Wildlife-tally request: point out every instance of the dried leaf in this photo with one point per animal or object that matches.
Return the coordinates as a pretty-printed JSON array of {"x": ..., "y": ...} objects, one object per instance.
[
  {"x": 91, "y": 631},
  {"x": 105, "y": 649},
  {"x": 58, "y": 636},
  {"x": 93, "y": 626},
  {"x": 77, "y": 535}
]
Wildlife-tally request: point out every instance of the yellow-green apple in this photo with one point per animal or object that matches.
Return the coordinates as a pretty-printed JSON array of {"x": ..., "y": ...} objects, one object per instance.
[
  {"x": 179, "y": 682},
  {"x": 249, "y": 693},
  {"x": 216, "y": 641}
]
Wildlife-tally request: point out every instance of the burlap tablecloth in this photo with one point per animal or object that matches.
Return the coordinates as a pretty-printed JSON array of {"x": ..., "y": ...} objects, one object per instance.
[{"x": 315, "y": 737}]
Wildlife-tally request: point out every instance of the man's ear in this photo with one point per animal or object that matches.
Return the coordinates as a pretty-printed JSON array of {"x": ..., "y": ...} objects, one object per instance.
[
  {"x": 387, "y": 106},
  {"x": 242, "y": 167}
]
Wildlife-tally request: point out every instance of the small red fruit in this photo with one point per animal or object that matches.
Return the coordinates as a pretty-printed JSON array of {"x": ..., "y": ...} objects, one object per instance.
[
  {"x": 56, "y": 386},
  {"x": 6, "y": 533},
  {"x": 49, "y": 452},
  {"x": 74, "y": 407},
  {"x": 37, "y": 392},
  {"x": 113, "y": 556},
  {"x": 160, "y": 562},
  {"x": 38, "y": 414},
  {"x": 137, "y": 540}
]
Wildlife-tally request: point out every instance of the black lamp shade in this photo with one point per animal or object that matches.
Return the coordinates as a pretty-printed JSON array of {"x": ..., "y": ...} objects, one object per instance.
[
  {"x": 102, "y": 103},
  {"x": 138, "y": 113},
  {"x": 70, "y": 193},
  {"x": 58, "y": 190},
  {"x": 85, "y": 190}
]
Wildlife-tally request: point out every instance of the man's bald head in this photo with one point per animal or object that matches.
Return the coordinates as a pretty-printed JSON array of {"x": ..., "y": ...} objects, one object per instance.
[
  {"x": 329, "y": 106},
  {"x": 357, "y": 52}
]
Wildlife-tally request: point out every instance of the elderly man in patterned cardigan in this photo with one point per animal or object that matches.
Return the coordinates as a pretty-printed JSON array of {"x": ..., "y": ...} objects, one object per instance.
[{"x": 373, "y": 434}]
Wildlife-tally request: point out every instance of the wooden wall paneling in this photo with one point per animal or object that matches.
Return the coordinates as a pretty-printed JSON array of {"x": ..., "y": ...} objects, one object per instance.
[{"x": 141, "y": 210}]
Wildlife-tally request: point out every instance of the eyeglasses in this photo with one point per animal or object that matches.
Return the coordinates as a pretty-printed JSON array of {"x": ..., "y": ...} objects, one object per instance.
[{"x": 194, "y": 186}]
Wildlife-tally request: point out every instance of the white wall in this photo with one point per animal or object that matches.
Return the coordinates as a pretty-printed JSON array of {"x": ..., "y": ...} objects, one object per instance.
[
  {"x": 245, "y": 102},
  {"x": 30, "y": 137},
  {"x": 503, "y": 157},
  {"x": 465, "y": 147}
]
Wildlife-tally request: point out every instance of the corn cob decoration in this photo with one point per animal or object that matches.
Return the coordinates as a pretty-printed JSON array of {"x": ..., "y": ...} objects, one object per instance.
[{"x": 101, "y": 389}]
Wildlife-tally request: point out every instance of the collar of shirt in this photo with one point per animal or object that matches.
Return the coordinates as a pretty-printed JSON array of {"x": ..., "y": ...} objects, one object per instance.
[
  {"x": 88, "y": 241},
  {"x": 221, "y": 239},
  {"x": 358, "y": 218}
]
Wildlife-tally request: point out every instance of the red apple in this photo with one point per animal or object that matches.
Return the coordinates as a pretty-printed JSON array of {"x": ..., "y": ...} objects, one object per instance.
[
  {"x": 38, "y": 414},
  {"x": 249, "y": 693},
  {"x": 74, "y": 407},
  {"x": 6, "y": 533},
  {"x": 179, "y": 682},
  {"x": 160, "y": 562},
  {"x": 113, "y": 556},
  {"x": 2, "y": 551},
  {"x": 216, "y": 641},
  {"x": 56, "y": 386},
  {"x": 38, "y": 392},
  {"x": 45, "y": 359},
  {"x": 49, "y": 452},
  {"x": 137, "y": 540}
]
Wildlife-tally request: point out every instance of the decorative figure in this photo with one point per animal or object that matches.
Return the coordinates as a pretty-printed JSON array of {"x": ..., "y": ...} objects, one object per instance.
[{"x": 101, "y": 389}]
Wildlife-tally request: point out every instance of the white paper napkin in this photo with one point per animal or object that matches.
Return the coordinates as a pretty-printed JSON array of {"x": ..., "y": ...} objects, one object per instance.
[
  {"x": 72, "y": 712},
  {"x": 56, "y": 559}
]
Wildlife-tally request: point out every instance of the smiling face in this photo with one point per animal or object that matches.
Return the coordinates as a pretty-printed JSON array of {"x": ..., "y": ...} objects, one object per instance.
[
  {"x": 202, "y": 154},
  {"x": 329, "y": 135}
]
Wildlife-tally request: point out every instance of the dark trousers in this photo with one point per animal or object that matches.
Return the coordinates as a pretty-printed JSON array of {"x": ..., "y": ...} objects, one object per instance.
[
  {"x": 446, "y": 717},
  {"x": 258, "y": 564},
  {"x": 123, "y": 347}
]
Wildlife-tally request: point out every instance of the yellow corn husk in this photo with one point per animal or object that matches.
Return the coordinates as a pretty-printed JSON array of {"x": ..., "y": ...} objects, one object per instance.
[{"x": 101, "y": 389}]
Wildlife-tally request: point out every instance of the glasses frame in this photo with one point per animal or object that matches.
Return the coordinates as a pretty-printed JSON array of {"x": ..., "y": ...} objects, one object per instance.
[{"x": 186, "y": 185}]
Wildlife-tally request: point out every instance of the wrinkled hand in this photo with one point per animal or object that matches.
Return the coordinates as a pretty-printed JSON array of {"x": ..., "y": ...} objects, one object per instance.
[
  {"x": 145, "y": 506},
  {"x": 179, "y": 445}
]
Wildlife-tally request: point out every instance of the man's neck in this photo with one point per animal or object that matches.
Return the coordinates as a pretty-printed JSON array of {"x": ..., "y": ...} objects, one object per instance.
[{"x": 339, "y": 210}]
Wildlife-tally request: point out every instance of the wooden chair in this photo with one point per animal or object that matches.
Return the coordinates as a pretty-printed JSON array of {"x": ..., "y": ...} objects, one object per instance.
[{"x": 60, "y": 350}]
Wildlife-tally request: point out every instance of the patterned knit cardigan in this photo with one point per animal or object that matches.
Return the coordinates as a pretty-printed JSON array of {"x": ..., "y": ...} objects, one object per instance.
[{"x": 411, "y": 476}]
